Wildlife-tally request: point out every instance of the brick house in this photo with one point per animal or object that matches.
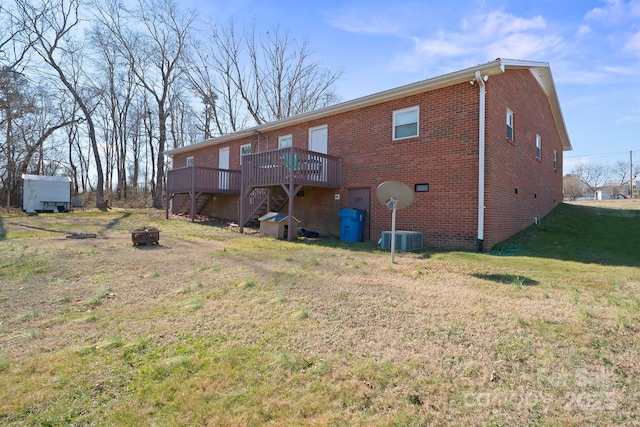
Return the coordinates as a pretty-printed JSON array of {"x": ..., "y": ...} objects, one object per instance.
[{"x": 481, "y": 147}]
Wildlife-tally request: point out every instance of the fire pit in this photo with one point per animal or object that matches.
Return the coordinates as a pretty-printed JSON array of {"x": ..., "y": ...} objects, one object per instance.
[{"x": 145, "y": 235}]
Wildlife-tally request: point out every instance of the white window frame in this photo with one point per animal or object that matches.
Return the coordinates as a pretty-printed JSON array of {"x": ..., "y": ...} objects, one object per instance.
[
  {"x": 190, "y": 161},
  {"x": 555, "y": 160},
  {"x": 510, "y": 128},
  {"x": 243, "y": 150},
  {"x": 538, "y": 147},
  {"x": 397, "y": 113},
  {"x": 285, "y": 141}
]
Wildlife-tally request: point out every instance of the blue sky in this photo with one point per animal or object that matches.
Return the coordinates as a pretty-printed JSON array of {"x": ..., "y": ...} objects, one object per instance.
[{"x": 592, "y": 46}]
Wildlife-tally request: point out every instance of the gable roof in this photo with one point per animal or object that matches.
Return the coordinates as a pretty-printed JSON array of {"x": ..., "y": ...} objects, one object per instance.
[{"x": 540, "y": 70}]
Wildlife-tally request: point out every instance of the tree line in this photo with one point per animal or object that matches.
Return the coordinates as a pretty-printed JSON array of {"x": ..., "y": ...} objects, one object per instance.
[
  {"x": 586, "y": 179},
  {"x": 98, "y": 90}
]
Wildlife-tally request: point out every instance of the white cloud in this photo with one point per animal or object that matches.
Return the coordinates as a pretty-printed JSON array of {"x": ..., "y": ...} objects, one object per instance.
[
  {"x": 633, "y": 44},
  {"x": 500, "y": 23},
  {"x": 581, "y": 76},
  {"x": 620, "y": 70},
  {"x": 438, "y": 46},
  {"x": 371, "y": 18},
  {"x": 482, "y": 37},
  {"x": 583, "y": 30},
  {"x": 525, "y": 46},
  {"x": 615, "y": 12},
  {"x": 372, "y": 25},
  {"x": 628, "y": 119}
]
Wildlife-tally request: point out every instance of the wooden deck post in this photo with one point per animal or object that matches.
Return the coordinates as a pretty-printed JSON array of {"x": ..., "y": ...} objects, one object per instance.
[
  {"x": 241, "y": 213},
  {"x": 291, "y": 193},
  {"x": 193, "y": 192},
  {"x": 166, "y": 212}
]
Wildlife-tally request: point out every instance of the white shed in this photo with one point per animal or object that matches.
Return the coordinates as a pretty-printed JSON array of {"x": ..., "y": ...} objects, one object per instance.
[{"x": 46, "y": 193}]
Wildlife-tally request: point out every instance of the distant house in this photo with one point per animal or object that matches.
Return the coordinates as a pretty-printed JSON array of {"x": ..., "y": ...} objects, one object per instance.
[
  {"x": 612, "y": 192},
  {"x": 481, "y": 147}
]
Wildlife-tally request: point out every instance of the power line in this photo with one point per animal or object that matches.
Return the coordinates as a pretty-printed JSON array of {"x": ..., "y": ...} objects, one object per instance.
[{"x": 618, "y": 153}]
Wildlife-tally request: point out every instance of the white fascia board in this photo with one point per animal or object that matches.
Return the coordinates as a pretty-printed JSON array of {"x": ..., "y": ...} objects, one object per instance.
[{"x": 542, "y": 73}]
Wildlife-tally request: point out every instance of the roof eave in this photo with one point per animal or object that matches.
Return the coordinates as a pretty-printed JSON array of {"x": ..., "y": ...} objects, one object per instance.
[{"x": 497, "y": 66}]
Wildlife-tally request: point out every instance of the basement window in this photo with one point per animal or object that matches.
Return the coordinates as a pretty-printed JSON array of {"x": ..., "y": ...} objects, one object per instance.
[
  {"x": 421, "y": 188},
  {"x": 405, "y": 123}
]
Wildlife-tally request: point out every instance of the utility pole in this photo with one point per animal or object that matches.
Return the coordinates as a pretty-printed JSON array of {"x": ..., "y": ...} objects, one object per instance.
[{"x": 631, "y": 174}]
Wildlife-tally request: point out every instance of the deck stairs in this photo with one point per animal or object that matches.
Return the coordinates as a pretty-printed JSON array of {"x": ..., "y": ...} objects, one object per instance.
[
  {"x": 201, "y": 200},
  {"x": 262, "y": 200}
]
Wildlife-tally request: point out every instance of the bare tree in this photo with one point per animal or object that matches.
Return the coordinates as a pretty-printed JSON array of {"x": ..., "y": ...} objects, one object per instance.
[
  {"x": 14, "y": 106},
  {"x": 622, "y": 173},
  {"x": 287, "y": 79},
  {"x": 154, "y": 53},
  {"x": 128, "y": 94},
  {"x": 214, "y": 72},
  {"x": 242, "y": 79},
  {"x": 117, "y": 82},
  {"x": 139, "y": 131},
  {"x": 592, "y": 175},
  {"x": 53, "y": 23},
  {"x": 183, "y": 126},
  {"x": 572, "y": 187},
  {"x": 28, "y": 117},
  {"x": 15, "y": 39}
]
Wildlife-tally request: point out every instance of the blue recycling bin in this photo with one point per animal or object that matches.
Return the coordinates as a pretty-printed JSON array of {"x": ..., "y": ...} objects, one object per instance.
[{"x": 351, "y": 224}]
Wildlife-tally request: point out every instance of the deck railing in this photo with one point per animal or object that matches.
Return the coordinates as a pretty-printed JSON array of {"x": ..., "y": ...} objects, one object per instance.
[
  {"x": 203, "y": 179},
  {"x": 264, "y": 169},
  {"x": 283, "y": 165}
]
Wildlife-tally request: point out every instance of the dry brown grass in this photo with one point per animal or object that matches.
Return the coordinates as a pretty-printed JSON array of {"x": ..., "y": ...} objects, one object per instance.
[{"x": 215, "y": 328}]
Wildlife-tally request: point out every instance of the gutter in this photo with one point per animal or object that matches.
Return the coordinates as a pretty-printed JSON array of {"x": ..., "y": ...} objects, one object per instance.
[{"x": 481, "y": 154}]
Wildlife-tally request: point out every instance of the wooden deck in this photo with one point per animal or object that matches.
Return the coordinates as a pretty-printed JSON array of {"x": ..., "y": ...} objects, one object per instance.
[
  {"x": 291, "y": 165},
  {"x": 289, "y": 168},
  {"x": 200, "y": 179},
  {"x": 270, "y": 168}
]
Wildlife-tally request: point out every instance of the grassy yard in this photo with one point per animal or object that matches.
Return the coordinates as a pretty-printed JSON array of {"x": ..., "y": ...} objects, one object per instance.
[{"x": 211, "y": 327}]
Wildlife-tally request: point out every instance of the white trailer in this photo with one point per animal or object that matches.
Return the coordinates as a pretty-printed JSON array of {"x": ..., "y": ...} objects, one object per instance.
[{"x": 46, "y": 193}]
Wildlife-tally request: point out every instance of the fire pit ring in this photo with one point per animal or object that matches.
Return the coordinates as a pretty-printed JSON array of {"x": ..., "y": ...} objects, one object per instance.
[{"x": 145, "y": 235}]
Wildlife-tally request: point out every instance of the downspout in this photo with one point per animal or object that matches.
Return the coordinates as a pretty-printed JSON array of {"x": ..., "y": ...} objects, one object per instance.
[
  {"x": 258, "y": 134},
  {"x": 481, "y": 156}
]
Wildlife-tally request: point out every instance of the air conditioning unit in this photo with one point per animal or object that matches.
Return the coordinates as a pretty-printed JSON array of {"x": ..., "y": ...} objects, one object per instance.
[{"x": 405, "y": 240}]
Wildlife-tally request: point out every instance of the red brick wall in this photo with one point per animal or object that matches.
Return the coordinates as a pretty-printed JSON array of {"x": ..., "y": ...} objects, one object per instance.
[
  {"x": 513, "y": 165},
  {"x": 222, "y": 206},
  {"x": 444, "y": 155}
]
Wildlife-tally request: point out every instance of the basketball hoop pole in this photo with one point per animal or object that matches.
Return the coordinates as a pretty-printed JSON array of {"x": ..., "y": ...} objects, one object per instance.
[{"x": 392, "y": 203}]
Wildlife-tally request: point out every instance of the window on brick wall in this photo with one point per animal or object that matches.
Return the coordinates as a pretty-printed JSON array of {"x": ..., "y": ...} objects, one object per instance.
[
  {"x": 405, "y": 123},
  {"x": 244, "y": 149},
  {"x": 510, "y": 135},
  {"x": 555, "y": 160},
  {"x": 538, "y": 147},
  {"x": 189, "y": 161},
  {"x": 285, "y": 141}
]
